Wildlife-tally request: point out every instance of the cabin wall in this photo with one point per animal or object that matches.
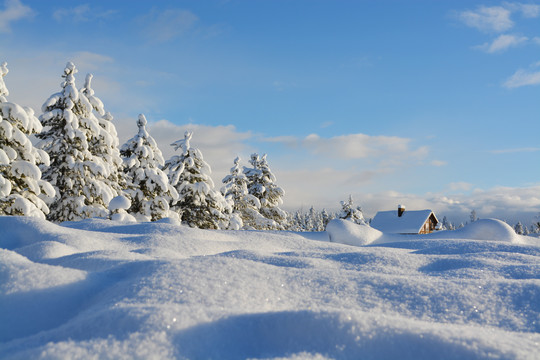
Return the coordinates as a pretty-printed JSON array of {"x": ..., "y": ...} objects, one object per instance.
[{"x": 429, "y": 226}]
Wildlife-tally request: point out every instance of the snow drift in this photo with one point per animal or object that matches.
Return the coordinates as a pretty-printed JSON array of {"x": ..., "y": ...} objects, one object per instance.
[{"x": 105, "y": 289}]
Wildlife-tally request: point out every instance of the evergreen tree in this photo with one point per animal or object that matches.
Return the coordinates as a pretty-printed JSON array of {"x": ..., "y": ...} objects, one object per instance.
[
  {"x": 325, "y": 218},
  {"x": 473, "y": 216},
  {"x": 296, "y": 222},
  {"x": 103, "y": 141},
  {"x": 447, "y": 225},
  {"x": 349, "y": 212},
  {"x": 245, "y": 205},
  {"x": 21, "y": 186},
  {"x": 198, "y": 204},
  {"x": 261, "y": 184},
  {"x": 75, "y": 173},
  {"x": 148, "y": 187},
  {"x": 518, "y": 228}
]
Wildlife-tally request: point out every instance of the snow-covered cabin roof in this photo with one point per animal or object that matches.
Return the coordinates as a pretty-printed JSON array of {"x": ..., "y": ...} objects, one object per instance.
[{"x": 410, "y": 222}]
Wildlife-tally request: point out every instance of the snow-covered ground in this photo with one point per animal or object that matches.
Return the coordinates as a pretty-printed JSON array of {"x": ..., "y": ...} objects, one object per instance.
[{"x": 102, "y": 289}]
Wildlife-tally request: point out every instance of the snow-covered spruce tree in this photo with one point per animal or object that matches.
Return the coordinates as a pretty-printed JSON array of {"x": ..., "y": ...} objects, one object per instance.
[
  {"x": 518, "y": 228},
  {"x": 75, "y": 173},
  {"x": 261, "y": 184},
  {"x": 473, "y": 216},
  {"x": 103, "y": 141},
  {"x": 326, "y": 218},
  {"x": 22, "y": 191},
  {"x": 147, "y": 185},
  {"x": 245, "y": 205},
  {"x": 349, "y": 212},
  {"x": 199, "y": 205}
]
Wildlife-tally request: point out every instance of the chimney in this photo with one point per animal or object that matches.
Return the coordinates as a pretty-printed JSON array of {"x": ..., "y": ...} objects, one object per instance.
[{"x": 400, "y": 210}]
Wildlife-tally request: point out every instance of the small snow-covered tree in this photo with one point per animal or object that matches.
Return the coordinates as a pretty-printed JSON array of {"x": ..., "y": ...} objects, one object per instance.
[
  {"x": 447, "y": 225},
  {"x": 518, "y": 228},
  {"x": 473, "y": 216},
  {"x": 261, "y": 184},
  {"x": 244, "y": 204},
  {"x": 148, "y": 186},
  {"x": 325, "y": 218},
  {"x": 22, "y": 191},
  {"x": 199, "y": 205},
  {"x": 74, "y": 172},
  {"x": 349, "y": 212}
]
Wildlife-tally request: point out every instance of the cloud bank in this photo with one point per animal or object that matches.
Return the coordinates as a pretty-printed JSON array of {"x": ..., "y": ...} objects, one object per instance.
[{"x": 13, "y": 11}]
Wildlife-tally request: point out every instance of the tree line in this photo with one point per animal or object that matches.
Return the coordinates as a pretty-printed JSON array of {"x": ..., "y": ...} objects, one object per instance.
[{"x": 77, "y": 169}]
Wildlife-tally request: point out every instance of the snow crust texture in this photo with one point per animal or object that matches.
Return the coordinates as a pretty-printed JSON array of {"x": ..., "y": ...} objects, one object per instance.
[{"x": 112, "y": 290}]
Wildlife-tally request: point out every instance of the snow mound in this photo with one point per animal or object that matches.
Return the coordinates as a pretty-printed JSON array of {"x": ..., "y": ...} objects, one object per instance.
[
  {"x": 349, "y": 233},
  {"x": 119, "y": 202},
  {"x": 46, "y": 250},
  {"x": 485, "y": 229}
]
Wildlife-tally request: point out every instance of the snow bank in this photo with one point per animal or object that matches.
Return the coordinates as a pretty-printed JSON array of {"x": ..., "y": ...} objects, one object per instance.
[
  {"x": 110, "y": 290},
  {"x": 484, "y": 229},
  {"x": 349, "y": 233}
]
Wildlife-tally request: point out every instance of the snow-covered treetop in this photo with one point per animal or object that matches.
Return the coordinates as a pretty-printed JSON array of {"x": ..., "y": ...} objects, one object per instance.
[
  {"x": 183, "y": 143},
  {"x": 141, "y": 124},
  {"x": 69, "y": 88},
  {"x": 96, "y": 103},
  {"x": 142, "y": 146},
  {"x": 3, "y": 89}
]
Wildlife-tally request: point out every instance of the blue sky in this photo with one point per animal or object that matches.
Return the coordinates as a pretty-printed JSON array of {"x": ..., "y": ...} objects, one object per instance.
[{"x": 426, "y": 103}]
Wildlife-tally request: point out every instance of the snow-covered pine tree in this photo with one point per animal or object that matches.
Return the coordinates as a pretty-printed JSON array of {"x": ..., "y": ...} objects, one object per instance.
[
  {"x": 261, "y": 184},
  {"x": 22, "y": 191},
  {"x": 75, "y": 173},
  {"x": 103, "y": 142},
  {"x": 199, "y": 205},
  {"x": 318, "y": 222},
  {"x": 349, "y": 212},
  {"x": 245, "y": 205},
  {"x": 518, "y": 228},
  {"x": 446, "y": 225},
  {"x": 295, "y": 222},
  {"x": 325, "y": 218},
  {"x": 473, "y": 216},
  {"x": 148, "y": 186}
]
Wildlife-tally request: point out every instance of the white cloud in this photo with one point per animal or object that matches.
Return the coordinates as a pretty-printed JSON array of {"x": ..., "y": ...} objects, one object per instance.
[
  {"x": 355, "y": 146},
  {"x": 522, "y": 78},
  {"x": 501, "y": 202},
  {"x": 326, "y": 124},
  {"x": 81, "y": 13},
  {"x": 162, "y": 26},
  {"x": 513, "y": 151},
  {"x": 488, "y": 19},
  {"x": 502, "y": 43},
  {"x": 505, "y": 203},
  {"x": 438, "y": 163},
  {"x": 13, "y": 10},
  {"x": 89, "y": 60},
  {"x": 527, "y": 10},
  {"x": 460, "y": 186}
]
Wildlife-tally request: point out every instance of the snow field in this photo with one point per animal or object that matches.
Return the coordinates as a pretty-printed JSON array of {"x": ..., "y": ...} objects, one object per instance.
[{"x": 105, "y": 289}]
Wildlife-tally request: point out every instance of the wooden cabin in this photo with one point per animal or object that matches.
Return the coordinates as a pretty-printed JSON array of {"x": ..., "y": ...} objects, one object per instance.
[{"x": 405, "y": 221}]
